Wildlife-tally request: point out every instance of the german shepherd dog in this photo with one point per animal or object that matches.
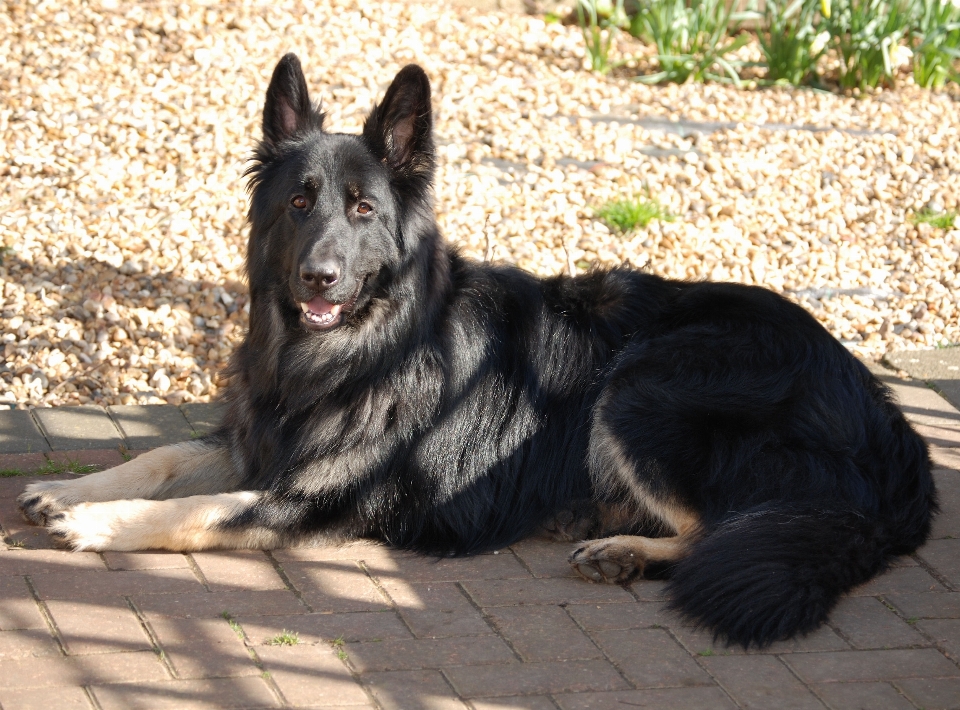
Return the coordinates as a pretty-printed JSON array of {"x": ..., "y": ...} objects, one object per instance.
[{"x": 389, "y": 388}]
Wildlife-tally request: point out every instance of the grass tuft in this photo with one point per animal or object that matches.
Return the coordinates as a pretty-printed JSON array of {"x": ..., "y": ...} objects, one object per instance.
[
  {"x": 285, "y": 638},
  {"x": 337, "y": 644},
  {"x": 941, "y": 220},
  {"x": 237, "y": 629},
  {"x": 629, "y": 214},
  {"x": 51, "y": 466}
]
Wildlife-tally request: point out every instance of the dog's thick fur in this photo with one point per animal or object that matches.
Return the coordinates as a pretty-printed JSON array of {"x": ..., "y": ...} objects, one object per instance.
[{"x": 390, "y": 388}]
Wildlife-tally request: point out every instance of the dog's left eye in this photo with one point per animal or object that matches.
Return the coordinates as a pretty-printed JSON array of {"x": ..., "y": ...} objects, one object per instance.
[
  {"x": 364, "y": 208},
  {"x": 300, "y": 202}
]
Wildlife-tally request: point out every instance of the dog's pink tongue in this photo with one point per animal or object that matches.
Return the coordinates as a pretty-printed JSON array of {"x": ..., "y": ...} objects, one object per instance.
[{"x": 322, "y": 306}]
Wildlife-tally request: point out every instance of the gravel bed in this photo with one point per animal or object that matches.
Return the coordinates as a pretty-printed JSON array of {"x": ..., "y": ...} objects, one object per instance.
[{"x": 126, "y": 127}]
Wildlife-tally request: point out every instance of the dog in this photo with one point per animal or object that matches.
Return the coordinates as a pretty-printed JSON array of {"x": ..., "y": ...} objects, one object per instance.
[{"x": 390, "y": 388}]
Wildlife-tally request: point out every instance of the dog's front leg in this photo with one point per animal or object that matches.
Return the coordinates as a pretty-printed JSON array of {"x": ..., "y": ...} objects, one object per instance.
[
  {"x": 190, "y": 468},
  {"x": 202, "y": 522}
]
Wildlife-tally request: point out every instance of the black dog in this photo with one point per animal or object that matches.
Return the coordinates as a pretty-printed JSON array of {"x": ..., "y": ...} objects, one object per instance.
[{"x": 390, "y": 388}]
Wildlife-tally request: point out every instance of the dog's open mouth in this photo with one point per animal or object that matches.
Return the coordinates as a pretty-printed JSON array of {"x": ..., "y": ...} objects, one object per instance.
[{"x": 321, "y": 314}]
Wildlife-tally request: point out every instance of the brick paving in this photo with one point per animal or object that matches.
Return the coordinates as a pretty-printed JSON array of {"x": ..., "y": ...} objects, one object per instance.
[{"x": 362, "y": 626}]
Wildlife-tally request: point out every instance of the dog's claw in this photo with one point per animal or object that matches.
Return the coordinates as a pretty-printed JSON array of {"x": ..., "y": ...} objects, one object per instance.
[
  {"x": 37, "y": 506},
  {"x": 59, "y": 539}
]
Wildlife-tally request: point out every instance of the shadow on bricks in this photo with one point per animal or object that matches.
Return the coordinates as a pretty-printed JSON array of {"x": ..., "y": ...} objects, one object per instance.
[{"x": 361, "y": 625}]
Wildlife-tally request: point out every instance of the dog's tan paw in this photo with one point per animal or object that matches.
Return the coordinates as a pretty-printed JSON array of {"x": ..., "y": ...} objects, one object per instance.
[
  {"x": 81, "y": 528},
  {"x": 606, "y": 561},
  {"x": 40, "y": 501}
]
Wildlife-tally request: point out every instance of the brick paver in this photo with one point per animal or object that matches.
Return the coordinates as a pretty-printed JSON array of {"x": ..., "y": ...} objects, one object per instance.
[
  {"x": 70, "y": 428},
  {"x": 211, "y": 694},
  {"x": 336, "y": 586},
  {"x": 201, "y": 604},
  {"x": 19, "y": 433},
  {"x": 27, "y": 643},
  {"x": 543, "y": 633},
  {"x": 362, "y": 626},
  {"x": 319, "y": 628},
  {"x": 39, "y": 699},
  {"x": 414, "y": 654},
  {"x": 868, "y": 623},
  {"x": 203, "y": 417},
  {"x": 106, "y": 626},
  {"x": 202, "y": 648},
  {"x": 931, "y": 694},
  {"x": 147, "y": 427},
  {"x": 312, "y": 675},
  {"x": 238, "y": 570},
  {"x": 700, "y": 698},
  {"x": 760, "y": 681},
  {"x": 399, "y": 690},
  {"x": 96, "y": 586}
]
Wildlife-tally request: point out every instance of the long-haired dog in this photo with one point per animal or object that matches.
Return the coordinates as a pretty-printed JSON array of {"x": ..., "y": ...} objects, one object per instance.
[{"x": 390, "y": 388}]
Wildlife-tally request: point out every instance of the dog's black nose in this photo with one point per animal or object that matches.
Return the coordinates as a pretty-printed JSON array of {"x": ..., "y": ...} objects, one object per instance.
[{"x": 320, "y": 274}]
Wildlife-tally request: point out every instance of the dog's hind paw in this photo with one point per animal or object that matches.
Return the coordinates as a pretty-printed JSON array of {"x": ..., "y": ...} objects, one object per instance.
[
  {"x": 39, "y": 502},
  {"x": 569, "y": 526},
  {"x": 607, "y": 561},
  {"x": 581, "y": 522}
]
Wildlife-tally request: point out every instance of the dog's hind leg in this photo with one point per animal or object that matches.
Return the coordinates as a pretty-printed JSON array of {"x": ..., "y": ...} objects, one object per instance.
[
  {"x": 200, "y": 522},
  {"x": 190, "y": 468},
  {"x": 618, "y": 477},
  {"x": 622, "y": 557}
]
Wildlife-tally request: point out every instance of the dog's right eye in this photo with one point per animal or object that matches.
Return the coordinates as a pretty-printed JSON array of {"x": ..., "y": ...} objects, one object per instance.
[{"x": 300, "y": 202}]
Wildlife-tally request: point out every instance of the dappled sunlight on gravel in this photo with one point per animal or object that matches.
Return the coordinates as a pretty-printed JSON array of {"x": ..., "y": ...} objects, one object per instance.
[{"x": 126, "y": 128}]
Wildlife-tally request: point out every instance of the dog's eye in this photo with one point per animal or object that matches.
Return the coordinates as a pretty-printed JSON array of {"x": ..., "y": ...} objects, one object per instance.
[
  {"x": 300, "y": 202},
  {"x": 364, "y": 208}
]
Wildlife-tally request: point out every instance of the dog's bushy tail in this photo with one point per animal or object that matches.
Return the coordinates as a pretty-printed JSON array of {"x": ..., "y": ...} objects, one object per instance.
[{"x": 776, "y": 571}]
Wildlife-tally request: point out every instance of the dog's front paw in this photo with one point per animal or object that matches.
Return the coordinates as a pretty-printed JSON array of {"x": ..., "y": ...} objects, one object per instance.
[
  {"x": 606, "y": 561},
  {"x": 40, "y": 501},
  {"x": 80, "y": 528}
]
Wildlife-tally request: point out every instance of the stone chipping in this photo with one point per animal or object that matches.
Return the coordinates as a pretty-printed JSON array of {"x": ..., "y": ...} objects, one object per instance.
[{"x": 127, "y": 126}]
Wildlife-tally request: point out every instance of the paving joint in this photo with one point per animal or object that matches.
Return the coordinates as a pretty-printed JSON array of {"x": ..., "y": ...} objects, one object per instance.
[
  {"x": 47, "y": 617},
  {"x": 197, "y": 572},
  {"x": 154, "y": 639},
  {"x": 600, "y": 648},
  {"x": 933, "y": 572},
  {"x": 288, "y": 583}
]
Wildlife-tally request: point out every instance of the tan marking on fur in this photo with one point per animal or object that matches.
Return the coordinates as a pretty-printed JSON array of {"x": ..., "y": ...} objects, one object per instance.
[
  {"x": 178, "y": 524},
  {"x": 680, "y": 519},
  {"x": 177, "y": 470},
  {"x": 648, "y": 549},
  {"x": 618, "y": 558}
]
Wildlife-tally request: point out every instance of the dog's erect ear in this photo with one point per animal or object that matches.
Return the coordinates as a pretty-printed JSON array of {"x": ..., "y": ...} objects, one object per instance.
[
  {"x": 399, "y": 131},
  {"x": 288, "y": 109}
]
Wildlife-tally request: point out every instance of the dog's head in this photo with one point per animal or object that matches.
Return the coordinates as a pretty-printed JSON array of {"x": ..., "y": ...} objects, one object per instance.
[{"x": 328, "y": 210}]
